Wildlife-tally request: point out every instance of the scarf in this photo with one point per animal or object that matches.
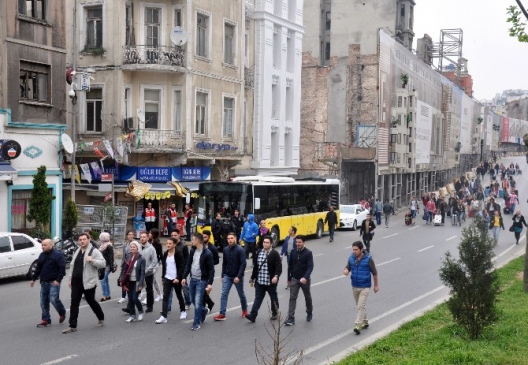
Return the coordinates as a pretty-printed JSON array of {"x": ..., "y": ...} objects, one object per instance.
[
  {"x": 104, "y": 245},
  {"x": 130, "y": 266}
]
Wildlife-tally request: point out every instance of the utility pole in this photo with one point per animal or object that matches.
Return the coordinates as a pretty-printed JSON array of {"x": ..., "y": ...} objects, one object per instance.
[{"x": 74, "y": 115}]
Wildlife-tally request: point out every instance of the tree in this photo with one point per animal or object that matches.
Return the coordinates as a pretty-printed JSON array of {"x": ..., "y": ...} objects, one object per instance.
[
  {"x": 40, "y": 204},
  {"x": 472, "y": 281},
  {"x": 71, "y": 217},
  {"x": 517, "y": 25}
]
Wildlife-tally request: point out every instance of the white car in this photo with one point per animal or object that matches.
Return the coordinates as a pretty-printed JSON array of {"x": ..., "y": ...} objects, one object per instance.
[
  {"x": 18, "y": 254},
  {"x": 351, "y": 216}
]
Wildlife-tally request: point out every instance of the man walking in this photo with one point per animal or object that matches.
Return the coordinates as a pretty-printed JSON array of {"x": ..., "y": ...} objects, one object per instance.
[
  {"x": 360, "y": 266},
  {"x": 413, "y": 205},
  {"x": 51, "y": 268},
  {"x": 267, "y": 268},
  {"x": 201, "y": 268},
  {"x": 238, "y": 221},
  {"x": 151, "y": 263},
  {"x": 388, "y": 209},
  {"x": 331, "y": 219},
  {"x": 249, "y": 235},
  {"x": 233, "y": 266},
  {"x": 182, "y": 248},
  {"x": 216, "y": 260},
  {"x": 367, "y": 231},
  {"x": 378, "y": 208},
  {"x": 300, "y": 268},
  {"x": 83, "y": 280}
]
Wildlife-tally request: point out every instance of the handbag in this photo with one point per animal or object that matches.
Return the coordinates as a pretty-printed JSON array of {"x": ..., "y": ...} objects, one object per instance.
[
  {"x": 114, "y": 267},
  {"x": 512, "y": 229},
  {"x": 101, "y": 273}
]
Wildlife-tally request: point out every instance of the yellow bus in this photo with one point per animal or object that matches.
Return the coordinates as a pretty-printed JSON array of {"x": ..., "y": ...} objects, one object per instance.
[{"x": 281, "y": 202}]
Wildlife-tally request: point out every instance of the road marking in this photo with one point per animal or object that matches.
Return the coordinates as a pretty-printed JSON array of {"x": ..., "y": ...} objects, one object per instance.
[
  {"x": 425, "y": 248},
  {"x": 388, "y": 262},
  {"x": 319, "y": 254},
  {"x": 392, "y": 235},
  {"x": 60, "y": 360},
  {"x": 508, "y": 249},
  {"x": 450, "y": 238},
  {"x": 413, "y": 228}
]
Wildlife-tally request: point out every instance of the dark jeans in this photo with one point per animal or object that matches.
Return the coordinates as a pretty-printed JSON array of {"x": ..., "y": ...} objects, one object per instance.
[
  {"x": 260, "y": 292},
  {"x": 133, "y": 300},
  {"x": 168, "y": 285},
  {"x": 186, "y": 295},
  {"x": 149, "y": 284},
  {"x": 50, "y": 293},
  {"x": 250, "y": 248},
  {"x": 188, "y": 229},
  {"x": 442, "y": 213},
  {"x": 366, "y": 241},
  {"x": 378, "y": 218},
  {"x": 295, "y": 285},
  {"x": 77, "y": 292},
  {"x": 331, "y": 229}
]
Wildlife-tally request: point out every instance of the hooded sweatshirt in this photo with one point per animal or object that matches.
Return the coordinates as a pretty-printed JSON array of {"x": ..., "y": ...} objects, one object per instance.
[{"x": 250, "y": 230}]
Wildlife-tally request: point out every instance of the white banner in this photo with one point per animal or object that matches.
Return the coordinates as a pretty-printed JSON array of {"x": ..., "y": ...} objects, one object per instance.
[
  {"x": 424, "y": 127},
  {"x": 489, "y": 130},
  {"x": 466, "y": 123}
]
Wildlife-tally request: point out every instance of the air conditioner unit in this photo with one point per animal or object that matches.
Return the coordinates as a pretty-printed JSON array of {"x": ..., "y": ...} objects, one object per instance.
[{"x": 128, "y": 123}]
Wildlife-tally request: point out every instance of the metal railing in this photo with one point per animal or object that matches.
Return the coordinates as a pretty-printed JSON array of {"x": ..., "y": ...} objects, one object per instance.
[
  {"x": 161, "y": 138},
  {"x": 154, "y": 55}
]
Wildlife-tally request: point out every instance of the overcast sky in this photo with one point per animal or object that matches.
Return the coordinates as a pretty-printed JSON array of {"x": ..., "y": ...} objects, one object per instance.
[{"x": 496, "y": 61}]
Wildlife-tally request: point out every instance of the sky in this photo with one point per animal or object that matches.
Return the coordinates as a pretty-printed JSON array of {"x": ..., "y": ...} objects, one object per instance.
[{"x": 496, "y": 61}]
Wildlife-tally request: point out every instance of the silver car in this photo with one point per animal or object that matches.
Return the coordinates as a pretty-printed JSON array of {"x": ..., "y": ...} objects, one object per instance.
[
  {"x": 18, "y": 254},
  {"x": 351, "y": 216}
]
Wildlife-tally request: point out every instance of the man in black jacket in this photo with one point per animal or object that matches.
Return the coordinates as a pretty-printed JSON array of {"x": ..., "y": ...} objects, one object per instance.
[
  {"x": 238, "y": 222},
  {"x": 51, "y": 268},
  {"x": 331, "y": 219},
  {"x": 201, "y": 268},
  {"x": 172, "y": 265},
  {"x": 367, "y": 231},
  {"x": 181, "y": 247},
  {"x": 216, "y": 260},
  {"x": 300, "y": 269},
  {"x": 267, "y": 268}
]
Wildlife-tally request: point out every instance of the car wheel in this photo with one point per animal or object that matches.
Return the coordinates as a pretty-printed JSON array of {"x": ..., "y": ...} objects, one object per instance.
[
  {"x": 32, "y": 269},
  {"x": 354, "y": 226},
  {"x": 275, "y": 235},
  {"x": 320, "y": 229}
]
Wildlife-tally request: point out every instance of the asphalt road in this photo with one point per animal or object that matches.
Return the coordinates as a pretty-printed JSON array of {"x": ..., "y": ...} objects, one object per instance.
[{"x": 408, "y": 260}]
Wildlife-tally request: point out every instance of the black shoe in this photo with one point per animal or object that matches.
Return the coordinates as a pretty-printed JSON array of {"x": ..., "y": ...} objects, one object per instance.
[
  {"x": 148, "y": 310},
  {"x": 273, "y": 317},
  {"x": 251, "y": 317},
  {"x": 211, "y": 306},
  {"x": 289, "y": 322},
  {"x": 309, "y": 317},
  {"x": 125, "y": 310}
]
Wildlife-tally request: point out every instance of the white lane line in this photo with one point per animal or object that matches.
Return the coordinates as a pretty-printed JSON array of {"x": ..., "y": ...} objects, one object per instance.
[
  {"x": 388, "y": 262},
  {"x": 508, "y": 249},
  {"x": 329, "y": 280},
  {"x": 392, "y": 235},
  {"x": 60, "y": 360},
  {"x": 319, "y": 254},
  {"x": 413, "y": 228},
  {"x": 425, "y": 248},
  {"x": 450, "y": 238}
]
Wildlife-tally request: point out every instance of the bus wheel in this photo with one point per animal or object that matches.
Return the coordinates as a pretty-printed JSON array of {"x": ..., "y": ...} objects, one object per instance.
[
  {"x": 275, "y": 235},
  {"x": 319, "y": 231}
]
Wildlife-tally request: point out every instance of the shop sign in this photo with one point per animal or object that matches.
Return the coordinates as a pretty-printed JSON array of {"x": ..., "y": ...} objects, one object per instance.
[
  {"x": 106, "y": 177},
  {"x": 154, "y": 174},
  {"x": 216, "y": 146},
  {"x": 89, "y": 210},
  {"x": 191, "y": 173}
]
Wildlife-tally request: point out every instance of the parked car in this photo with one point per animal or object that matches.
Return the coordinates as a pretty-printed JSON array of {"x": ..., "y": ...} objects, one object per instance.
[
  {"x": 18, "y": 254},
  {"x": 351, "y": 216}
]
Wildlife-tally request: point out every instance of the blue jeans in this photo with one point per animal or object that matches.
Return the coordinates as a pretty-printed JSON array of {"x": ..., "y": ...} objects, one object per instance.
[
  {"x": 331, "y": 229},
  {"x": 378, "y": 218},
  {"x": 50, "y": 293},
  {"x": 496, "y": 231},
  {"x": 133, "y": 300},
  {"x": 105, "y": 287},
  {"x": 226, "y": 287},
  {"x": 512, "y": 208},
  {"x": 197, "y": 292}
]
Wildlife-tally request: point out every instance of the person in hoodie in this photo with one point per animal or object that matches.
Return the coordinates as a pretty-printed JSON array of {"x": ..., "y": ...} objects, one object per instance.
[
  {"x": 151, "y": 263},
  {"x": 263, "y": 231},
  {"x": 249, "y": 235}
]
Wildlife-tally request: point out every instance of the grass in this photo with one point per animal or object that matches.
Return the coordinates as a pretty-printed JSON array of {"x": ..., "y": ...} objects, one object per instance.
[{"x": 435, "y": 339}]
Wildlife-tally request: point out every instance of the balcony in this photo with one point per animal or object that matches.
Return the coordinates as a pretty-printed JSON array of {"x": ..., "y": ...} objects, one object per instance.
[
  {"x": 248, "y": 78},
  {"x": 159, "y": 141},
  {"x": 153, "y": 58}
]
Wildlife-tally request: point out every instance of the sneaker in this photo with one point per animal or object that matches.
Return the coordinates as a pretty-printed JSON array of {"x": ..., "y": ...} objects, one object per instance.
[
  {"x": 140, "y": 317},
  {"x": 220, "y": 317},
  {"x": 183, "y": 315},
  {"x": 251, "y": 318},
  {"x": 161, "y": 320},
  {"x": 144, "y": 301},
  {"x": 69, "y": 330},
  {"x": 196, "y": 327},
  {"x": 357, "y": 330},
  {"x": 125, "y": 310},
  {"x": 100, "y": 323},
  {"x": 187, "y": 306},
  {"x": 43, "y": 323},
  {"x": 62, "y": 318},
  {"x": 148, "y": 310},
  {"x": 131, "y": 319},
  {"x": 309, "y": 317},
  {"x": 274, "y": 317},
  {"x": 244, "y": 313},
  {"x": 289, "y": 322},
  {"x": 365, "y": 325},
  {"x": 122, "y": 300},
  {"x": 158, "y": 298}
]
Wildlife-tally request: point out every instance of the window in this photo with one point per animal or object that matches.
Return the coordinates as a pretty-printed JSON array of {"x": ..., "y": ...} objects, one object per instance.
[
  {"x": 178, "y": 18},
  {"x": 400, "y": 99},
  {"x": 128, "y": 26},
  {"x": 152, "y": 26},
  {"x": 289, "y": 103},
  {"x": 19, "y": 211},
  {"x": 34, "y": 81},
  {"x": 5, "y": 245},
  {"x": 290, "y": 52},
  {"x": 327, "y": 51},
  {"x": 152, "y": 108},
  {"x": 94, "y": 109},
  {"x": 201, "y": 113},
  {"x": 33, "y": 8},
  {"x": 246, "y": 50},
  {"x": 328, "y": 21},
  {"x": 277, "y": 47},
  {"x": 393, "y": 138},
  {"x": 202, "y": 29},
  {"x": 229, "y": 44},
  {"x": 411, "y": 16},
  {"x": 275, "y": 108},
  {"x": 94, "y": 27},
  {"x": 177, "y": 111},
  {"x": 21, "y": 242},
  {"x": 128, "y": 102},
  {"x": 227, "y": 128}
]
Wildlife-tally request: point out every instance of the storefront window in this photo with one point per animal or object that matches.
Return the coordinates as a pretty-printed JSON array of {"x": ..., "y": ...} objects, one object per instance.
[{"x": 19, "y": 211}]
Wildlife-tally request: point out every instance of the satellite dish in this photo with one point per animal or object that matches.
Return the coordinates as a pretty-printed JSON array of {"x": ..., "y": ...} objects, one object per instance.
[
  {"x": 67, "y": 143},
  {"x": 141, "y": 115},
  {"x": 178, "y": 36}
]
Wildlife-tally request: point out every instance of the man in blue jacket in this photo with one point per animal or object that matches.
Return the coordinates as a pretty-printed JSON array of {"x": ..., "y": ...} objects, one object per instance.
[
  {"x": 360, "y": 266},
  {"x": 233, "y": 266},
  {"x": 300, "y": 269},
  {"x": 51, "y": 268},
  {"x": 249, "y": 235}
]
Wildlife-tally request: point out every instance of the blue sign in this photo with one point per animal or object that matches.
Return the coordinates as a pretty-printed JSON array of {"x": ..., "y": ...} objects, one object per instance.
[
  {"x": 154, "y": 174},
  {"x": 191, "y": 173},
  {"x": 216, "y": 146}
]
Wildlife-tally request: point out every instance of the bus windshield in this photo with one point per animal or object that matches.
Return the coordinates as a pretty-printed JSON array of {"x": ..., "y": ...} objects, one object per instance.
[{"x": 223, "y": 198}]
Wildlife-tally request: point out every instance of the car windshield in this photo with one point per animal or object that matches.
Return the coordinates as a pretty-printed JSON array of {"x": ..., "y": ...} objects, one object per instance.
[{"x": 349, "y": 209}]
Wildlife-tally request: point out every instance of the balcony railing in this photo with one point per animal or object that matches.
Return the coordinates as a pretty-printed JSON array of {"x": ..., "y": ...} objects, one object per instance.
[
  {"x": 151, "y": 55},
  {"x": 156, "y": 139}
]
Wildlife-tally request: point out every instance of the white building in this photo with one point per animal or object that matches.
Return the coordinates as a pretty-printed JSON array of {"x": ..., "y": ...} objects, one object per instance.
[{"x": 278, "y": 56}]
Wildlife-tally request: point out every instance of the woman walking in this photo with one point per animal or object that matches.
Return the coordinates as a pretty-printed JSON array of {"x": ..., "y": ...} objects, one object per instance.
[
  {"x": 107, "y": 250},
  {"x": 155, "y": 241},
  {"x": 495, "y": 225},
  {"x": 518, "y": 221},
  {"x": 125, "y": 256},
  {"x": 133, "y": 280}
]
